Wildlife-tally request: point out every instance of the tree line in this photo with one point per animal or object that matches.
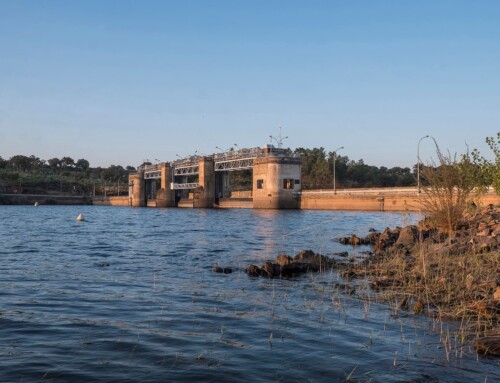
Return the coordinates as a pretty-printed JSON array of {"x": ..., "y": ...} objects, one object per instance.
[
  {"x": 471, "y": 167},
  {"x": 30, "y": 174},
  {"x": 317, "y": 172}
]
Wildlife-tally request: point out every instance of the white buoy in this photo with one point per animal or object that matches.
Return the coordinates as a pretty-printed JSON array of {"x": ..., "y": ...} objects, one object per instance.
[
  {"x": 80, "y": 217},
  {"x": 36, "y": 203}
]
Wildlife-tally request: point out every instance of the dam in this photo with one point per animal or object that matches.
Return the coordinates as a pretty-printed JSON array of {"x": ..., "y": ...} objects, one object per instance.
[
  {"x": 276, "y": 179},
  {"x": 204, "y": 182}
]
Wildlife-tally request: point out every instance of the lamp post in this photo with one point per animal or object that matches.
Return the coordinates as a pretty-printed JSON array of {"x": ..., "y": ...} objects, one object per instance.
[
  {"x": 279, "y": 139},
  {"x": 418, "y": 162},
  {"x": 334, "y": 158}
]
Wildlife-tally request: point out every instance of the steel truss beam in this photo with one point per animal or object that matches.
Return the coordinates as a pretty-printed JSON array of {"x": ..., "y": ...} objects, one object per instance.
[
  {"x": 186, "y": 170},
  {"x": 190, "y": 185},
  {"x": 233, "y": 165},
  {"x": 152, "y": 175}
]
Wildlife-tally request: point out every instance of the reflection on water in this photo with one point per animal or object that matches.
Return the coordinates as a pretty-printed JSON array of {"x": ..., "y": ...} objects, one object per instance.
[{"x": 129, "y": 296}]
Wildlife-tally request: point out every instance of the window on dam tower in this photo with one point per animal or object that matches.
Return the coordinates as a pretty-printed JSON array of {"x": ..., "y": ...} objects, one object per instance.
[{"x": 288, "y": 183}]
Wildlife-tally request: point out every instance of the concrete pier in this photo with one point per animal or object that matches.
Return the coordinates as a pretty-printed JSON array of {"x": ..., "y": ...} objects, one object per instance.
[
  {"x": 137, "y": 189},
  {"x": 204, "y": 194},
  {"x": 165, "y": 197}
]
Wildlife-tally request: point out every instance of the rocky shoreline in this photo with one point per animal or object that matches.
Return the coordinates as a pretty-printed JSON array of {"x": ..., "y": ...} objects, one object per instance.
[
  {"x": 480, "y": 234},
  {"x": 454, "y": 275}
]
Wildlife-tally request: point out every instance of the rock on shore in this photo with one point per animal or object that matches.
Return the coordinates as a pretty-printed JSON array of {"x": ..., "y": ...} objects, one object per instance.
[
  {"x": 286, "y": 267},
  {"x": 480, "y": 234}
]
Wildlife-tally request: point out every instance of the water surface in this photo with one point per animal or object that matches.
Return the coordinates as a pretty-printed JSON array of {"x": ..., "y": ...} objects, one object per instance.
[{"x": 129, "y": 296}]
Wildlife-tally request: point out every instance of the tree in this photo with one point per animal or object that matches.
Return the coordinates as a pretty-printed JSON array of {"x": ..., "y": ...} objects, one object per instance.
[
  {"x": 82, "y": 164},
  {"x": 315, "y": 168},
  {"x": 3, "y": 163},
  {"x": 361, "y": 175},
  {"x": 54, "y": 163},
  {"x": 67, "y": 162},
  {"x": 114, "y": 173},
  {"x": 24, "y": 163}
]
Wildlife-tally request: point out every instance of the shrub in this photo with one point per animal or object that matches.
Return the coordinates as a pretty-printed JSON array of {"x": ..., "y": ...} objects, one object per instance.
[
  {"x": 451, "y": 189},
  {"x": 494, "y": 168}
]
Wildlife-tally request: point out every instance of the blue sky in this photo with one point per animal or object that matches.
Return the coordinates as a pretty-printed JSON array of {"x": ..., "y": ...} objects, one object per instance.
[{"x": 118, "y": 82}]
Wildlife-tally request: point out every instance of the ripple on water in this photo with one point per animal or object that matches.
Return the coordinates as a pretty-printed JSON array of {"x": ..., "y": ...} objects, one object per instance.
[{"x": 128, "y": 295}]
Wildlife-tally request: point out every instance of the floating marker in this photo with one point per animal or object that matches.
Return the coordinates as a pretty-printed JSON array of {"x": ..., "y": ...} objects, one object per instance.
[{"x": 80, "y": 217}]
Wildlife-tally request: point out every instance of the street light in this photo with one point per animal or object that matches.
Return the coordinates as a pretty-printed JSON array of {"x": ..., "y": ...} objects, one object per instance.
[
  {"x": 334, "y": 158},
  {"x": 279, "y": 139},
  {"x": 418, "y": 162}
]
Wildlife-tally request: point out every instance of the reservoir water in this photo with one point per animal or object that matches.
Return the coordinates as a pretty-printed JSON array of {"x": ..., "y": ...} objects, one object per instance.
[{"x": 128, "y": 295}]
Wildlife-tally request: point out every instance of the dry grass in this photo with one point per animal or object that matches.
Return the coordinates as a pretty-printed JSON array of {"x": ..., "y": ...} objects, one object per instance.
[
  {"x": 451, "y": 191},
  {"x": 456, "y": 287}
]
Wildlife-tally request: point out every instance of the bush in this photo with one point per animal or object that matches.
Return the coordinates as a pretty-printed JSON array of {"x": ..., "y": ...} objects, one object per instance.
[
  {"x": 494, "y": 168},
  {"x": 452, "y": 189}
]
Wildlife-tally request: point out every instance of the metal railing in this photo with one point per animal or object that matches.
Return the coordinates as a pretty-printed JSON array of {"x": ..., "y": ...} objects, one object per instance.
[{"x": 231, "y": 160}]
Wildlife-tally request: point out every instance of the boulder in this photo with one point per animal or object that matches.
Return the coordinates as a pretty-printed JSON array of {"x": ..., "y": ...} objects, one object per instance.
[
  {"x": 408, "y": 237},
  {"x": 254, "y": 271},
  {"x": 371, "y": 238},
  {"x": 298, "y": 268},
  {"x": 354, "y": 241},
  {"x": 270, "y": 270},
  {"x": 309, "y": 256},
  {"x": 386, "y": 239},
  {"x": 283, "y": 259},
  {"x": 285, "y": 266},
  {"x": 344, "y": 240}
]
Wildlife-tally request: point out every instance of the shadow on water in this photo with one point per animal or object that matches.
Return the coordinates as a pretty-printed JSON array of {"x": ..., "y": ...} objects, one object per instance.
[{"x": 128, "y": 295}]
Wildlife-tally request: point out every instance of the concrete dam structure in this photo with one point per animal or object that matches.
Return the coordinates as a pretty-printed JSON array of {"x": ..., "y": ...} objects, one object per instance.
[{"x": 203, "y": 181}]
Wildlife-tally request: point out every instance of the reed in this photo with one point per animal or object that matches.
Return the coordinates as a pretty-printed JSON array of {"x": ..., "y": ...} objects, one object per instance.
[{"x": 458, "y": 288}]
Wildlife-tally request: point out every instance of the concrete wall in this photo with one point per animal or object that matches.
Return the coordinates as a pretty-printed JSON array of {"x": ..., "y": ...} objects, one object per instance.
[
  {"x": 270, "y": 193},
  {"x": 368, "y": 200},
  {"x": 42, "y": 199},
  {"x": 112, "y": 201},
  {"x": 358, "y": 199},
  {"x": 241, "y": 194}
]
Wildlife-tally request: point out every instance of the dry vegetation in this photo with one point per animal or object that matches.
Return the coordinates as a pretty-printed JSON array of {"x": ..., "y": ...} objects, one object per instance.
[{"x": 449, "y": 265}]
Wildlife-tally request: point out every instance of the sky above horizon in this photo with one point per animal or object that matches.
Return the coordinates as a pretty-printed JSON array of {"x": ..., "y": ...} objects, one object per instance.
[{"x": 120, "y": 82}]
